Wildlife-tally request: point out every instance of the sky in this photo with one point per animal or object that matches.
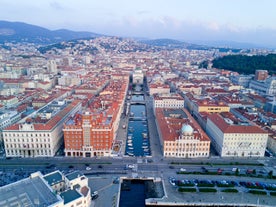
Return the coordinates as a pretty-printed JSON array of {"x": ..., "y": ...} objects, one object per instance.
[{"x": 251, "y": 21}]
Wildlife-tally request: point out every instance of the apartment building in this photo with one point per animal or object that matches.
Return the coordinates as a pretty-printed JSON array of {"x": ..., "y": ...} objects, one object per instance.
[
  {"x": 234, "y": 137},
  {"x": 41, "y": 134}
]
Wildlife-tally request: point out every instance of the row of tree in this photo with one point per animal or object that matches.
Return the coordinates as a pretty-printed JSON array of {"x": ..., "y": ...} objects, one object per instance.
[{"x": 247, "y": 64}]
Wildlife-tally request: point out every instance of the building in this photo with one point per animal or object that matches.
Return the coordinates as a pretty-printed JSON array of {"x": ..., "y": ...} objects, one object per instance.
[
  {"x": 233, "y": 137},
  {"x": 92, "y": 132},
  {"x": 180, "y": 135},
  {"x": 138, "y": 76},
  {"x": 36, "y": 191},
  {"x": 266, "y": 87},
  {"x": 242, "y": 80},
  {"x": 89, "y": 135},
  {"x": 168, "y": 101},
  {"x": 159, "y": 88},
  {"x": 261, "y": 75},
  {"x": 196, "y": 105},
  {"x": 40, "y": 134}
]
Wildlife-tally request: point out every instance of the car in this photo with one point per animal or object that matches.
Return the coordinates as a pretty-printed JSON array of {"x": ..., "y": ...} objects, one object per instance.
[
  {"x": 94, "y": 195},
  {"x": 182, "y": 170},
  {"x": 116, "y": 180},
  {"x": 131, "y": 166},
  {"x": 88, "y": 168}
]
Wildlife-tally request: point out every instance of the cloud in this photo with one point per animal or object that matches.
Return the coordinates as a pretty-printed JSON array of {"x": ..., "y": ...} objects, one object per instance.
[{"x": 55, "y": 5}]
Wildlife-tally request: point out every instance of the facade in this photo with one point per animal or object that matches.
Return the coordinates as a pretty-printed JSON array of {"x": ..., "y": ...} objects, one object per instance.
[
  {"x": 88, "y": 135},
  {"x": 242, "y": 80},
  {"x": 36, "y": 190},
  {"x": 196, "y": 106},
  {"x": 261, "y": 75},
  {"x": 267, "y": 87},
  {"x": 40, "y": 136},
  {"x": 190, "y": 89},
  {"x": 159, "y": 89},
  {"x": 138, "y": 76},
  {"x": 232, "y": 137},
  {"x": 92, "y": 133},
  {"x": 168, "y": 101},
  {"x": 180, "y": 134}
]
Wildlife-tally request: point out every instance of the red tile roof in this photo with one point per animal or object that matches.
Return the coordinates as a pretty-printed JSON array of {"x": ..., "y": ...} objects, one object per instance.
[{"x": 228, "y": 128}]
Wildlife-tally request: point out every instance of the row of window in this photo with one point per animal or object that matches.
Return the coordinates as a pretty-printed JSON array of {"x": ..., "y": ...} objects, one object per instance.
[
  {"x": 204, "y": 154},
  {"x": 186, "y": 149},
  {"x": 187, "y": 144},
  {"x": 18, "y": 140},
  {"x": 26, "y": 135},
  {"x": 25, "y": 145},
  {"x": 14, "y": 152}
]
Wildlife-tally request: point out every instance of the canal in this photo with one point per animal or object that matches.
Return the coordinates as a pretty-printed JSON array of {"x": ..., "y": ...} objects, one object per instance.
[{"x": 137, "y": 143}]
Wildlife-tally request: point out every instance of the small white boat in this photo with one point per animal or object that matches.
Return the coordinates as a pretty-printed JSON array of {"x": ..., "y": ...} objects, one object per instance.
[
  {"x": 145, "y": 135},
  {"x": 130, "y": 148},
  {"x": 145, "y": 147},
  {"x": 130, "y": 144},
  {"x": 129, "y": 141},
  {"x": 130, "y": 154}
]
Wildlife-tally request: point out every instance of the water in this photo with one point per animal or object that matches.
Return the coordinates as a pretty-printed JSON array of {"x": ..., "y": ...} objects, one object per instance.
[
  {"x": 137, "y": 98},
  {"x": 132, "y": 194},
  {"x": 137, "y": 143}
]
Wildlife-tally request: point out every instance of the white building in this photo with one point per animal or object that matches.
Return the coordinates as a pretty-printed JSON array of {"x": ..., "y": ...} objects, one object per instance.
[
  {"x": 39, "y": 190},
  {"x": 138, "y": 76},
  {"x": 159, "y": 89},
  {"x": 180, "y": 135},
  {"x": 231, "y": 138},
  {"x": 168, "y": 101},
  {"x": 267, "y": 87},
  {"x": 40, "y": 136}
]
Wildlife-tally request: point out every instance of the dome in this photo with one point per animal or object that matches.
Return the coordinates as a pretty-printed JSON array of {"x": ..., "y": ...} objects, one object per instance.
[{"x": 187, "y": 129}]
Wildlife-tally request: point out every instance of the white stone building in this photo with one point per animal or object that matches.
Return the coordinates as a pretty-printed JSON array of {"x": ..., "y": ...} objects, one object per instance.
[
  {"x": 39, "y": 190},
  {"x": 231, "y": 138},
  {"x": 168, "y": 101},
  {"x": 40, "y": 136}
]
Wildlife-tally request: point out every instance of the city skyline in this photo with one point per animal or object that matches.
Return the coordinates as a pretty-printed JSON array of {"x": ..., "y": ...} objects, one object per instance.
[{"x": 212, "y": 20}]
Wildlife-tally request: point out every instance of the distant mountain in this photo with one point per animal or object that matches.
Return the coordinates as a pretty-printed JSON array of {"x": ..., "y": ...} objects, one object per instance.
[
  {"x": 164, "y": 42},
  {"x": 177, "y": 44},
  {"x": 22, "y": 32},
  {"x": 228, "y": 44}
]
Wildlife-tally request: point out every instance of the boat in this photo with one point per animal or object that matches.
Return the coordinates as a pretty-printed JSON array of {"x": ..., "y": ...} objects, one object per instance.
[
  {"x": 129, "y": 141},
  {"x": 129, "y": 137},
  {"x": 131, "y": 129},
  {"x": 131, "y": 114},
  {"x": 130, "y": 154},
  {"x": 145, "y": 147},
  {"x": 145, "y": 143},
  {"x": 145, "y": 135},
  {"x": 130, "y": 144},
  {"x": 146, "y": 150},
  {"x": 130, "y": 148}
]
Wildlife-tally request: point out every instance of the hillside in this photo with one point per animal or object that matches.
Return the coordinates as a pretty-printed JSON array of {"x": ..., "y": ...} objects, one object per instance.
[
  {"x": 247, "y": 64},
  {"x": 22, "y": 32}
]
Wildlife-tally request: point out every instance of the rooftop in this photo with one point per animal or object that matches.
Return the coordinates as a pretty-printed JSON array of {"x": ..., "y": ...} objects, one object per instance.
[
  {"x": 53, "y": 178},
  {"x": 29, "y": 192},
  {"x": 74, "y": 175},
  {"x": 69, "y": 196}
]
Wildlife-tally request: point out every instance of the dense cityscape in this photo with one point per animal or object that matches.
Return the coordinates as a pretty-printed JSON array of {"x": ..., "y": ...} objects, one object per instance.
[{"x": 86, "y": 122}]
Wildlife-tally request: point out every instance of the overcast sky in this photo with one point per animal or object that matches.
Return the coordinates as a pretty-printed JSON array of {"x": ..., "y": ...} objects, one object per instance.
[{"x": 252, "y": 21}]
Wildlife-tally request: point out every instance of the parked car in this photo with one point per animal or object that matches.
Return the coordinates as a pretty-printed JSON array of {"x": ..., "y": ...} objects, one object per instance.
[
  {"x": 94, "y": 195},
  {"x": 182, "y": 170}
]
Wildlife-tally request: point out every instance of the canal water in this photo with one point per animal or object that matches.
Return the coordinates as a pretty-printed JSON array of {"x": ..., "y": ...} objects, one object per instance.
[{"x": 137, "y": 143}]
